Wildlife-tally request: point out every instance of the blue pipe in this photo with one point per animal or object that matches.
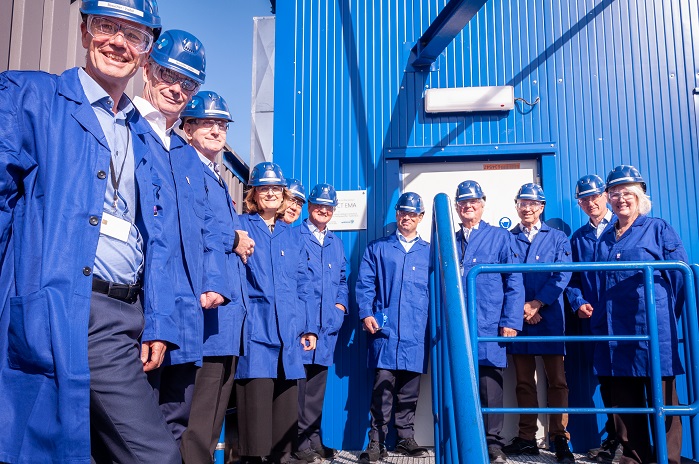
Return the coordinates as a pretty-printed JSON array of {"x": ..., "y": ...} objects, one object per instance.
[{"x": 220, "y": 451}]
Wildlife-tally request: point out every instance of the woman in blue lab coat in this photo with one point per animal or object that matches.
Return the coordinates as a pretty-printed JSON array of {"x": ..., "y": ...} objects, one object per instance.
[
  {"x": 625, "y": 366},
  {"x": 277, "y": 326}
]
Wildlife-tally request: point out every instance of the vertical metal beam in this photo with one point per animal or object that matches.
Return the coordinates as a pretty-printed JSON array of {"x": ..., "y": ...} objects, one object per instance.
[{"x": 448, "y": 23}]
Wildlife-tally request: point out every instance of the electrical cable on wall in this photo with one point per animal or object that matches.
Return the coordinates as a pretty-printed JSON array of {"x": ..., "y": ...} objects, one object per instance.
[{"x": 535, "y": 102}]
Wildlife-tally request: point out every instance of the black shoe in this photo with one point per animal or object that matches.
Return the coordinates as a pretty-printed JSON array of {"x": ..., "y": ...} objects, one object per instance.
[
  {"x": 373, "y": 452},
  {"x": 325, "y": 452},
  {"x": 521, "y": 446},
  {"x": 496, "y": 455},
  {"x": 409, "y": 447},
  {"x": 609, "y": 451},
  {"x": 308, "y": 455},
  {"x": 563, "y": 453}
]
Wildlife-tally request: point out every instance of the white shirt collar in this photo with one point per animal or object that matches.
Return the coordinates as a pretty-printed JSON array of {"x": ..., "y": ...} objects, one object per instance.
[{"x": 156, "y": 120}]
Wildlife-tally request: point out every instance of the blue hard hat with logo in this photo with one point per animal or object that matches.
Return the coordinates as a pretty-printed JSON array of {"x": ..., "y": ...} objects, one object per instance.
[
  {"x": 625, "y": 174},
  {"x": 591, "y": 184},
  {"x": 323, "y": 194},
  {"x": 532, "y": 192},
  {"x": 296, "y": 188},
  {"x": 143, "y": 12},
  {"x": 181, "y": 52},
  {"x": 207, "y": 104},
  {"x": 469, "y": 190},
  {"x": 410, "y": 202},
  {"x": 266, "y": 173}
]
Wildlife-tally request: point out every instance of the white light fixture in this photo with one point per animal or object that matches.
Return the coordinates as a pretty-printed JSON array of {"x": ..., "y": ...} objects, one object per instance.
[{"x": 469, "y": 99}]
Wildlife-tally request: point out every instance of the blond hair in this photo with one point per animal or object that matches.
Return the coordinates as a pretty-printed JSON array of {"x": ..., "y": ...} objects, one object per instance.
[{"x": 252, "y": 207}]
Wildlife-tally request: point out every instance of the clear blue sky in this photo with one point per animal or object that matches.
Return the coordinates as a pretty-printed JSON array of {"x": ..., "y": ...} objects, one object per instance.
[{"x": 225, "y": 29}]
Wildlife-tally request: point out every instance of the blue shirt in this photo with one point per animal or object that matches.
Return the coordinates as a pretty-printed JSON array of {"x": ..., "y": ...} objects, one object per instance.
[{"x": 116, "y": 261}]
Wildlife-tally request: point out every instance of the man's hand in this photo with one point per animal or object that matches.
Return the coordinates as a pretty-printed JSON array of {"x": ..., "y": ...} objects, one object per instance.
[
  {"x": 585, "y": 311},
  {"x": 246, "y": 246},
  {"x": 308, "y": 342},
  {"x": 531, "y": 308},
  {"x": 507, "y": 332},
  {"x": 535, "y": 319},
  {"x": 152, "y": 354},
  {"x": 370, "y": 324},
  {"x": 210, "y": 300}
]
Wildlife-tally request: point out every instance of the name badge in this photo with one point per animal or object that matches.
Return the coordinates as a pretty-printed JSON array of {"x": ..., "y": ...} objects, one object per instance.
[{"x": 115, "y": 227}]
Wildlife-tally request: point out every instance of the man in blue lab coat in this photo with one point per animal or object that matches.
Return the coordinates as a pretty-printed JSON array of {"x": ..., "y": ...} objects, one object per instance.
[
  {"x": 393, "y": 304},
  {"x": 83, "y": 252},
  {"x": 500, "y": 301}
]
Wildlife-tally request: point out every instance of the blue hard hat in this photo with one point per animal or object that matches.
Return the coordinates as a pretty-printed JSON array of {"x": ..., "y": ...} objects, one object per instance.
[
  {"x": 591, "y": 184},
  {"x": 143, "y": 12},
  {"x": 469, "y": 190},
  {"x": 207, "y": 104},
  {"x": 531, "y": 191},
  {"x": 323, "y": 194},
  {"x": 266, "y": 173},
  {"x": 296, "y": 188},
  {"x": 625, "y": 174},
  {"x": 181, "y": 52},
  {"x": 410, "y": 202}
]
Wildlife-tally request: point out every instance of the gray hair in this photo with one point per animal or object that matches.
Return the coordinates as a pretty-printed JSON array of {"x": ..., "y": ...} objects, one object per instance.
[{"x": 644, "y": 203}]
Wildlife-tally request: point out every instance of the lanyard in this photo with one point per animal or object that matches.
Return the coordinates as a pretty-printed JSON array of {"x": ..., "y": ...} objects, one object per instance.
[{"x": 116, "y": 180}]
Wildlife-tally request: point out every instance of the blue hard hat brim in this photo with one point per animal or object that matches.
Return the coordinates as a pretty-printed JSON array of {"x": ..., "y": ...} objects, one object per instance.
[{"x": 322, "y": 201}]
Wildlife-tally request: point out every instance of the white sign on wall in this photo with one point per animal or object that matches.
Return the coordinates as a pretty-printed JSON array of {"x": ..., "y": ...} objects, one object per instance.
[{"x": 350, "y": 213}]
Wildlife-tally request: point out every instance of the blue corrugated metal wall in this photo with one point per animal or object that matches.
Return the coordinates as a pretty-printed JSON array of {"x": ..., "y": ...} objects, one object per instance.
[{"x": 615, "y": 78}]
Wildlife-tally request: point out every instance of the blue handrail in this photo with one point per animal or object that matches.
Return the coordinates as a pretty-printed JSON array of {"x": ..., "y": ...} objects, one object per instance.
[
  {"x": 456, "y": 389},
  {"x": 658, "y": 410},
  {"x": 455, "y": 344}
]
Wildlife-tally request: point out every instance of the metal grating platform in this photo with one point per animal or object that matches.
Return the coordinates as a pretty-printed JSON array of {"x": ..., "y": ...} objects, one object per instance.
[{"x": 347, "y": 457}]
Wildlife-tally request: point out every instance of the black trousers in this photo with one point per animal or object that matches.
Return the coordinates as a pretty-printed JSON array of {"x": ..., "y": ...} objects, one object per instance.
[
  {"x": 606, "y": 394},
  {"x": 126, "y": 424},
  {"x": 212, "y": 391},
  {"x": 311, "y": 396},
  {"x": 405, "y": 387},
  {"x": 174, "y": 386},
  {"x": 633, "y": 429},
  {"x": 490, "y": 382},
  {"x": 267, "y": 416}
]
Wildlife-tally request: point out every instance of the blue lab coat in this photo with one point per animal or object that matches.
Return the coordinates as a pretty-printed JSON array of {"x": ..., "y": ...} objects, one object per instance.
[
  {"x": 583, "y": 287},
  {"x": 327, "y": 265},
  {"x": 223, "y": 326},
  {"x": 279, "y": 286},
  {"x": 550, "y": 246},
  {"x": 621, "y": 310},
  {"x": 500, "y": 297},
  {"x": 394, "y": 282},
  {"x": 198, "y": 260},
  {"x": 53, "y": 160}
]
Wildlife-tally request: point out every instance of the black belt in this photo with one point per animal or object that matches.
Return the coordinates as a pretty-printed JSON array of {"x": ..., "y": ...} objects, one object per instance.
[{"x": 123, "y": 292}]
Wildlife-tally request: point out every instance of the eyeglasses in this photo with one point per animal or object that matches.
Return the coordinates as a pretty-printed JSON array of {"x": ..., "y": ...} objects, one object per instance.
[
  {"x": 626, "y": 195},
  {"x": 533, "y": 205},
  {"x": 101, "y": 27},
  {"x": 273, "y": 189},
  {"x": 209, "y": 124},
  {"x": 408, "y": 214},
  {"x": 171, "y": 77},
  {"x": 469, "y": 202},
  {"x": 589, "y": 199},
  {"x": 296, "y": 201}
]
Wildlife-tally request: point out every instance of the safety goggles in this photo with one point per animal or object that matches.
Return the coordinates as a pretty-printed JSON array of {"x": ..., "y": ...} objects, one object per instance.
[
  {"x": 532, "y": 205},
  {"x": 102, "y": 27},
  {"x": 273, "y": 189},
  {"x": 209, "y": 124},
  {"x": 171, "y": 77}
]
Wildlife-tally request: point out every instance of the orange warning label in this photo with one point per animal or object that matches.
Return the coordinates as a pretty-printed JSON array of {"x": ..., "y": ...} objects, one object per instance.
[{"x": 500, "y": 166}]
